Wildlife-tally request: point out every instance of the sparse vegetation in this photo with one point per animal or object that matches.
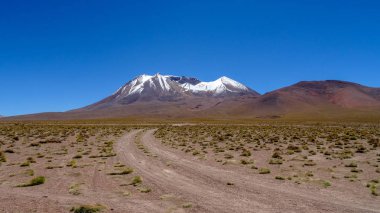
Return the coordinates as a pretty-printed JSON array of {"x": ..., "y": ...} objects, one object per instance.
[
  {"x": 34, "y": 182},
  {"x": 75, "y": 189},
  {"x": 264, "y": 171},
  {"x": 87, "y": 209},
  {"x": 136, "y": 181},
  {"x": 288, "y": 149},
  {"x": 144, "y": 189},
  {"x": 372, "y": 185},
  {"x": 327, "y": 156},
  {"x": 25, "y": 164},
  {"x": 2, "y": 157},
  {"x": 326, "y": 184},
  {"x": 187, "y": 205},
  {"x": 123, "y": 172}
]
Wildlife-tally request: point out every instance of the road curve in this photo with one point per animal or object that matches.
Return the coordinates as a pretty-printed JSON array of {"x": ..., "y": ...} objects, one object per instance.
[{"x": 204, "y": 185}]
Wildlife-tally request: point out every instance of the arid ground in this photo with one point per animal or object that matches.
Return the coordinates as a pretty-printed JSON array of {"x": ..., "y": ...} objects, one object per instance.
[{"x": 283, "y": 167}]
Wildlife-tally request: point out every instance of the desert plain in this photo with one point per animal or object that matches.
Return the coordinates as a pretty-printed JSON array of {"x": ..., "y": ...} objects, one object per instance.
[{"x": 189, "y": 167}]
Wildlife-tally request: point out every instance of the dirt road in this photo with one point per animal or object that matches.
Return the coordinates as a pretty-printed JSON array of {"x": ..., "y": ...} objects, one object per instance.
[
  {"x": 210, "y": 187},
  {"x": 177, "y": 182}
]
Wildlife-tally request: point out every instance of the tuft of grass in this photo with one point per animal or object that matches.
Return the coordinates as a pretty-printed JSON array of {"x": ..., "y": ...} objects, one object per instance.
[
  {"x": 326, "y": 184},
  {"x": 136, "y": 181},
  {"x": 228, "y": 156},
  {"x": 2, "y": 157},
  {"x": 352, "y": 165},
  {"x": 53, "y": 167},
  {"x": 279, "y": 178},
  {"x": 29, "y": 172},
  {"x": 72, "y": 163},
  {"x": 246, "y": 153},
  {"x": 118, "y": 165},
  {"x": 356, "y": 170},
  {"x": 144, "y": 190},
  {"x": 34, "y": 182},
  {"x": 87, "y": 209},
  {"x": 309, "y": 163},
  {"x": 372, "y": 185},
  {"x": 124, "y": 172},
  {"x": 275, "y": 161},
  {"x": 31, "y": 160},
  {"x": 187, "y": 205},
  {"x": 264, "y": 171},
  {"x": 246, "y": 162},
  {"x": 75, "y": 189},
  {"x": 25, "y": 164},
  {"x": 77, "y": 156},
  {"x": 374, "y": 190},
  {"x": 196, "y": 152}
]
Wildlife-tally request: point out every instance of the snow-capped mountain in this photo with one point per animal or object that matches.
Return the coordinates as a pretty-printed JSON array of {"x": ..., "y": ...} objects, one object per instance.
[
  {"x": 171, "y": 97},
  {"x": 169, "y": 84},
  {"x": 170, "y": 88}
]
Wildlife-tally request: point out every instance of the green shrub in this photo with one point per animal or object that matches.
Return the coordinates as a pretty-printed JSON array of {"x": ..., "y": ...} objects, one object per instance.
[
  {"x": 326, "y": 184},
  {"x": 34, "y": 182}
]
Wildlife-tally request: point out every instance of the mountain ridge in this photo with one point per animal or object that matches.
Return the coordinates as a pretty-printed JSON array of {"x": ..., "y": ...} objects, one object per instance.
[
  {"x": 170, "y": 96},
  {"x": 326, "y": 97},
  {"x": 170, "y": 88}
]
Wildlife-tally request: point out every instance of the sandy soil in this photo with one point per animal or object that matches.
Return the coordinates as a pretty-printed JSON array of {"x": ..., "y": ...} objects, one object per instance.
[
  {"x": 204, "y": 184},
  {"x": 178, "y": 183}
]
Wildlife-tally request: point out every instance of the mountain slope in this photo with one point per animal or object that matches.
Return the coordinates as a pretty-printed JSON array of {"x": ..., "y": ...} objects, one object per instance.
[
  {"x": 317, "y": 97},
  {"x": 167, "y": 96},
  {"x": 171, "y": 90}
]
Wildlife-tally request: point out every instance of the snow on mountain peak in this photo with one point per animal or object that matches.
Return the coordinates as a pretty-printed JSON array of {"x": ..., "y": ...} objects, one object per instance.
[
  {"x": 233, "y": 83},
  {"x": 169, "y": 83},
  {"x": 141, "y": 82},
  {"x": 219, "y": 86}
]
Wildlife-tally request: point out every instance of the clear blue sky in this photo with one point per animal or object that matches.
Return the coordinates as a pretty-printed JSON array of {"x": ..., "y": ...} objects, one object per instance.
[{"x": 63, "y": 54}]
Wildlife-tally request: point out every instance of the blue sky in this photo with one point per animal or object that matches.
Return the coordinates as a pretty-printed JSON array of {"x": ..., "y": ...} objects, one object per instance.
[{"x": 64, "y": 54}]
